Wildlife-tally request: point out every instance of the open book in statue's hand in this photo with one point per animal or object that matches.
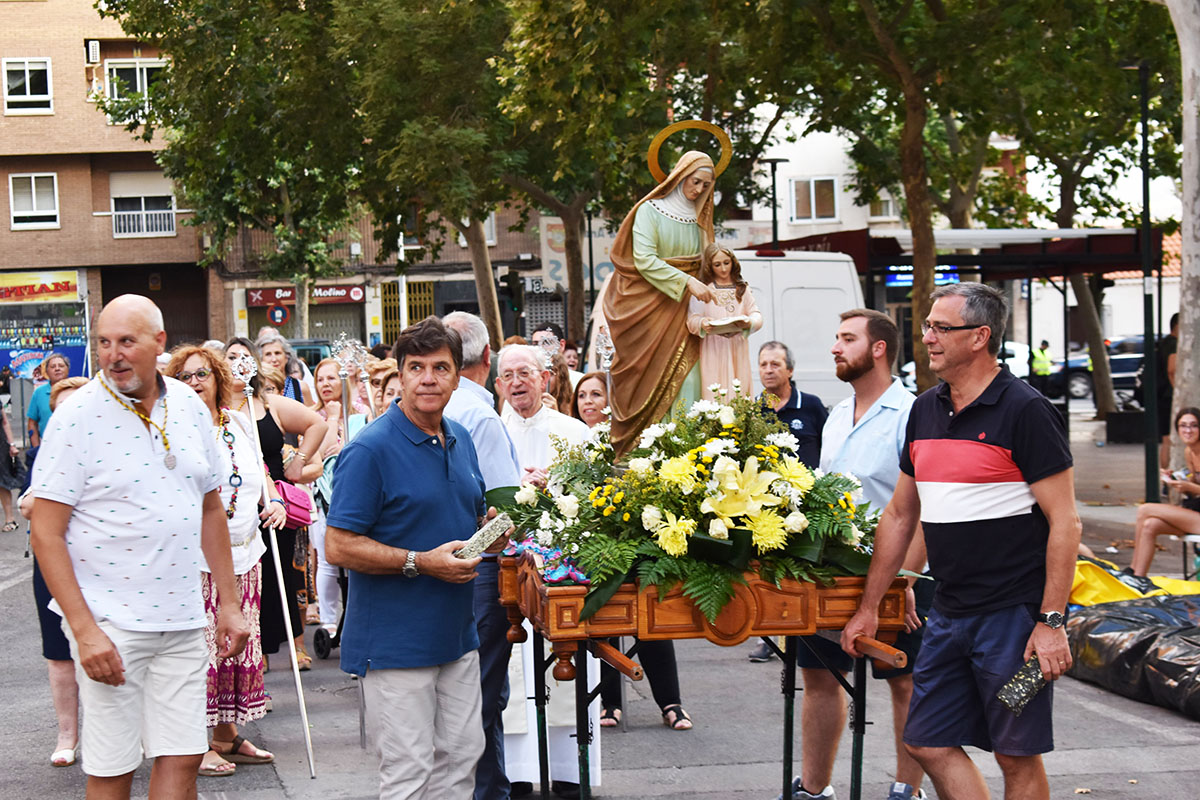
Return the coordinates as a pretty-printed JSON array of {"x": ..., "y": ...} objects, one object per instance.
[{"x": 729, "y": 325}]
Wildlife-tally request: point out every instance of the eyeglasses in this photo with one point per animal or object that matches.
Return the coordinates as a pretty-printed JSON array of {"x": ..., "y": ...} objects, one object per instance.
[
  {"x": 942, "y": 330},
  {"x": 200, "y": 375},
  {"x": 524, "y": 374}
]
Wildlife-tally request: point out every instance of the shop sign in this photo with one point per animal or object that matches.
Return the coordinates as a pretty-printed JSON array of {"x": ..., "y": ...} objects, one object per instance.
[
  {"x": 48, "y": 286},
  {"x": 318, "y": 295}
]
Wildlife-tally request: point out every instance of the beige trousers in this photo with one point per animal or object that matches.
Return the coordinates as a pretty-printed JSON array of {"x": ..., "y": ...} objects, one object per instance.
[{"x": 427, "y": 729}]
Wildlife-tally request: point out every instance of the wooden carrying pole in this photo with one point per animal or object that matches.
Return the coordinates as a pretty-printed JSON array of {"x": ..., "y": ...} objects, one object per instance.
[{"x": 884, "y": 655}]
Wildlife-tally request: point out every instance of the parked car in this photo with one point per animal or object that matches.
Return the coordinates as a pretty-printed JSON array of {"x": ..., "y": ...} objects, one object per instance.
[
  {"x": 1124, "y": 361},
  {"x": 312, "y": 351}
]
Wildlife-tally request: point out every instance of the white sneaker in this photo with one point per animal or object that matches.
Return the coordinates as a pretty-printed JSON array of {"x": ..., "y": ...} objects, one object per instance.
[
  {"x": 902, "y": 791},
  {"x": 800, "y": 794}
]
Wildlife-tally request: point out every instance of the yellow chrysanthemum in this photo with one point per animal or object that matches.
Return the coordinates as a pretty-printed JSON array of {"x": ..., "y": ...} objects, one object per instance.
[
  {"x": 794, "y": 472},
  {"x": 767, "y": 531},
  {"x": 679, "y": 472},
  {"x": 673, "y": 534}
]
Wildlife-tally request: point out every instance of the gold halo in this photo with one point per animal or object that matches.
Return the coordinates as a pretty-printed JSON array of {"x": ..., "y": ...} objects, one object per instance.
[{"x": 652, "y": 154}]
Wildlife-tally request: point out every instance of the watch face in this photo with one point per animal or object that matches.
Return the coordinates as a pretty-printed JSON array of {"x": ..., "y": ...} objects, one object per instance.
[{"x": 1053, "y": 619}]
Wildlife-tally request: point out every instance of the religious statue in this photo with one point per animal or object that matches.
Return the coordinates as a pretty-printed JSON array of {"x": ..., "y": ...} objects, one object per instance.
[{"x": 656, "y": 257}]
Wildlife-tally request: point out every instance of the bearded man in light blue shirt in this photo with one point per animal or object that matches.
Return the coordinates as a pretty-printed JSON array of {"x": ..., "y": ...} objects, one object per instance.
[{"x": 863, "y": 436}]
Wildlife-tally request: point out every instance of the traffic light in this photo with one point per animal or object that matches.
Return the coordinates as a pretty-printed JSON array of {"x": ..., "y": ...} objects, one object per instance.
[{"x": 516, "y": 291}]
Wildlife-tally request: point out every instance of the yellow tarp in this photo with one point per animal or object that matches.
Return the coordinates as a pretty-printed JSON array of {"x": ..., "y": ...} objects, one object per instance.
[{"x": 1094, "y": 584}]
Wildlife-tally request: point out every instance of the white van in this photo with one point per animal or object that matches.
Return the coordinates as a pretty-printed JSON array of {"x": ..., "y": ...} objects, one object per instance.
[{"x": 800, "y": 295}]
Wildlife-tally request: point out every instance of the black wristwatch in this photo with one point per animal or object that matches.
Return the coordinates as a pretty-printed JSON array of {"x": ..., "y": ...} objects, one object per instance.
[
  {"x": 410, "y": 565},
  {"x": 1051, "y": 619}
]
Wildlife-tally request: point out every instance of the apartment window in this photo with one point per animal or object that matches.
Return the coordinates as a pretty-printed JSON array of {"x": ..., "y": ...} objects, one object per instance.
[
  {"x": 127, "y": 77},
  {"x": 33, "y": 201},
  {"x": 489, "y": 231},
  {"x": 27, "y": 87},
  {"x": 884, "y": 207},
  {"x": 143, "y": 216},
  {"x": 814, "y": 199}
]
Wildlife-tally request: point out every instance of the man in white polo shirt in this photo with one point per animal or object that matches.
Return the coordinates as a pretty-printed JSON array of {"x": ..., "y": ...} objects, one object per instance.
[{"x": 127, "y": 500}]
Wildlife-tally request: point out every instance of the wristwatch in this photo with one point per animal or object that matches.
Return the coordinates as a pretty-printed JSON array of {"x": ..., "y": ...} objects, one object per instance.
[
  {"x": 410, "y": 568},
  {"x": 1051, "y": 619}
]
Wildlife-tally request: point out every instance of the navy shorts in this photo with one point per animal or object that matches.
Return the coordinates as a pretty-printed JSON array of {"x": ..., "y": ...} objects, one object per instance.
[
  {"x": 906, "y": 641},
  {"x": 964, "y": 662}
]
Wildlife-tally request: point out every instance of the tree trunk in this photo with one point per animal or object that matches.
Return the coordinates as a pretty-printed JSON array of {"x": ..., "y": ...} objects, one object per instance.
[
  {"x": 1187, "y": 362},
  {"x": 300, "y": 327},
  {"x": 920, "y": 212},
  {"x": 485, "y": 280},
  {"x": 573, "y": 252},
  {"x": 1086, "y": 305}
]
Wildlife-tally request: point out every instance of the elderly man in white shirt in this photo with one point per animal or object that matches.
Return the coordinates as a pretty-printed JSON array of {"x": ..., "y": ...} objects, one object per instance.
[
  {"x": 127, "y": 509},
  {"x": 521, "y": 381}
]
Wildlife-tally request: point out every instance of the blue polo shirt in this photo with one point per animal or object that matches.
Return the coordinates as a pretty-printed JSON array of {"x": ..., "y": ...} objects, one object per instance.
[
  {"x": 984, "y": 532},
  {"x": 805, "y": 416},
  {"x": 401, "y": 487}
]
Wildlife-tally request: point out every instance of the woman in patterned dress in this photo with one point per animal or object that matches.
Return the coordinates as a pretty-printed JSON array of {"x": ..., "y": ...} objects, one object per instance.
[{"x": 235, "y": 685}]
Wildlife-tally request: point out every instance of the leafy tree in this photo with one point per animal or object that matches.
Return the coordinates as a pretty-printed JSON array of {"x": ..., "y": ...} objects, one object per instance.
[
  {"x": 259, "y": 131},
  {"x": 427, "y": 101}
]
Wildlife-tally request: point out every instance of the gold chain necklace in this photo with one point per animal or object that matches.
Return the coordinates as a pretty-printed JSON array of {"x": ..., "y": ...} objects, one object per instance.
[{"x": 168, "y": 459}]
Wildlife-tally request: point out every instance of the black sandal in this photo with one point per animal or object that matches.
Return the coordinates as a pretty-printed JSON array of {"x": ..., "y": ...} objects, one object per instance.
[
  {"x": 610, "y": 718},
  {"x": 680, "y": 716}
]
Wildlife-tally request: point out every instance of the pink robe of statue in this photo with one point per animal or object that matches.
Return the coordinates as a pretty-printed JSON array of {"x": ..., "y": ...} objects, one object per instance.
[{"x": 723, "y": 358}]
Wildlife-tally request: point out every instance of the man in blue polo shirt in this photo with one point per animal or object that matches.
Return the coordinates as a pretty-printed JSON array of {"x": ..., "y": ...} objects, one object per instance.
[
  {"x": 407, "y": 493},
  {"x": 987, "y": 472},
  {"x": 803, "y": 413}
]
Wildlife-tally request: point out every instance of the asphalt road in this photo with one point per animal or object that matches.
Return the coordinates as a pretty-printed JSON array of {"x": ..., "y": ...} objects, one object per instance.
[{"x": 1114, "y": 747}]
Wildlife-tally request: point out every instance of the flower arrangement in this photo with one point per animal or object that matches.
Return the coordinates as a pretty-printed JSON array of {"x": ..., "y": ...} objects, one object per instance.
[{"x": 700, "y": 496}]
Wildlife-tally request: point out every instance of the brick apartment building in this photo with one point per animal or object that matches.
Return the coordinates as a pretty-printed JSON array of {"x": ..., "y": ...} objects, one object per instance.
[{"x": 91, "y": 216}]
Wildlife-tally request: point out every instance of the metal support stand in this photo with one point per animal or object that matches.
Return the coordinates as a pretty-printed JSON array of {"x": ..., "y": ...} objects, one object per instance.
[
  {"x": 583, "y": 724},
  {"x": 540, "y": 664},
  {"x": 858, "y": 726},
  {"x": 789, "y": 712}
]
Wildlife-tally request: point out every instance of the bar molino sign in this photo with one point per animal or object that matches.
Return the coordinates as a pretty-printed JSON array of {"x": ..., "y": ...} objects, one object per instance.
[{"x": 318, "y": 295}]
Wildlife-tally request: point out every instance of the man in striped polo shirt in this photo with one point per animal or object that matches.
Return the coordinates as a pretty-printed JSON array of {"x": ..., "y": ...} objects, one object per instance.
[{"x": 987, "y": 471}]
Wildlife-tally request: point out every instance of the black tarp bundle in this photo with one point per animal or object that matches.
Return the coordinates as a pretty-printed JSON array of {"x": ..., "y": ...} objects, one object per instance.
[{"x": 1147, "y": 649}]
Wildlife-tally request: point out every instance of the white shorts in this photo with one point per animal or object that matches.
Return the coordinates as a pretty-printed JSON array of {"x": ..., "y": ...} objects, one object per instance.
[{"x": 158, "y": 711}]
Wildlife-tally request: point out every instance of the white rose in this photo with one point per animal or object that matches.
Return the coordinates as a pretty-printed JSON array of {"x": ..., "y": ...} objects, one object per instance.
[
  {"x": 651, "y": 518},
  {"x": 545, "y": 538},
  {"x": 546, "y": 522},
  {"x": 568, "y": 505},
  {"x": 718, "y": 529},
  {"x": 795, "y": 522},
  {"x": 725, "y": 416},
  {"x": 526, "y": 495},
  {"x": 641, "y": 465}
]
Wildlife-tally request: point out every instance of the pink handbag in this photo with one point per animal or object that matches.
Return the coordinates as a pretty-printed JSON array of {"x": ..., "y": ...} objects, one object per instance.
[{"x": 297, "y": 503}]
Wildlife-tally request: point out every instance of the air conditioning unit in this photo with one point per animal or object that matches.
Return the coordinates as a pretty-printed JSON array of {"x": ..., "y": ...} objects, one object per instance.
[{"x": 93, "y": 51}]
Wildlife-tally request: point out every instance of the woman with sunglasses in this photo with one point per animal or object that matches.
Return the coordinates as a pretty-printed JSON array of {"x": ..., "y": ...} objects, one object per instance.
[
  {"x": 1156, "y": 519},
  {"x": 275, "y": 417},
  {"x": 235, "y": 685}
]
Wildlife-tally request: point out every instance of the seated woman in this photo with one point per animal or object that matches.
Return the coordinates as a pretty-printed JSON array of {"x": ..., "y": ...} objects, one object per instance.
[{"x": 1156, "y": 519}]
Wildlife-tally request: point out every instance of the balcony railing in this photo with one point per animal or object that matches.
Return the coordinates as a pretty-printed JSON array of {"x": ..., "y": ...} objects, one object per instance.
[{"x": 143, "y": 223}]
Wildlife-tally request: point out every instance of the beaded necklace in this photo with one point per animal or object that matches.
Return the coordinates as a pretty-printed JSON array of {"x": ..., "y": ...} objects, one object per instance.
[
  {"x": 235, "y": 479},
  {"x": 169, "y": 458}
]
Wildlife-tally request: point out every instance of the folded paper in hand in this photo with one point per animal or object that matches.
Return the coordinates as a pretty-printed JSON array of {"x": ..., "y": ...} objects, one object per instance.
[{"x": 485, "y": 537}]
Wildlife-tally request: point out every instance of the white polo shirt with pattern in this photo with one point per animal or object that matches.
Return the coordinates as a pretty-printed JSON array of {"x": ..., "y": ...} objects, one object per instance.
[{"x": 134, "y": 534}]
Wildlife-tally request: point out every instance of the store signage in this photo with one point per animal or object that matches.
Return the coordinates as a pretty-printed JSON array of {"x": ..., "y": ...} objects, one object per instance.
[
  {"x": 318, "y": 295},
  {"x": 49, "y": 286}
]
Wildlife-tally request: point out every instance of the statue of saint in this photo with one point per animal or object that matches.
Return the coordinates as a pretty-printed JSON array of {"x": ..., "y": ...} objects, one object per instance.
[{"x": 656, "y": 257}]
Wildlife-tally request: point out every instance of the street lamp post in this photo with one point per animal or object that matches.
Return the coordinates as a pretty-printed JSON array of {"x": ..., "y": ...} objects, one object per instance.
[
  {"x": 774, "y": 162},
  {"x": 1149, "y": 349}
]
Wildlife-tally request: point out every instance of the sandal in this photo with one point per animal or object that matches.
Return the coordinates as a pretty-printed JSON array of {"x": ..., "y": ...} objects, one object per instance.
[
  {"x": 234, "y": 753},
  {"x": 213, "y": 766},
  {"x": 64, "y": 757},
  {"x": 10, "y": 526},
  {"x": 675, "y": 718},
  {"x": 303, "y": 661},
  {"x": 610, "y": 718}
]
